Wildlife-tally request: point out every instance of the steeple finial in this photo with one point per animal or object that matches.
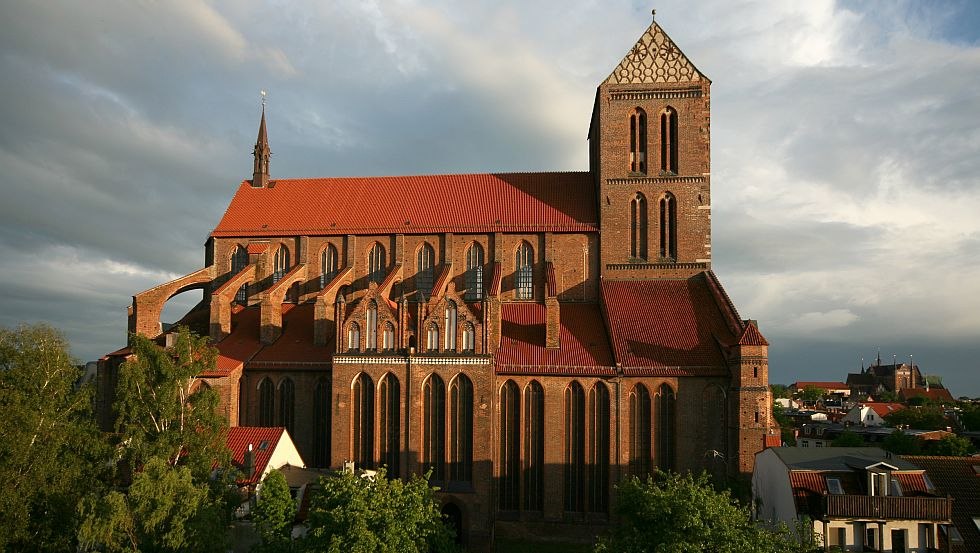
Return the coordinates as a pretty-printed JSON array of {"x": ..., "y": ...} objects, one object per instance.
[
  {"x": 260, "y": 165},
  {"x": 653, "y": 12}
]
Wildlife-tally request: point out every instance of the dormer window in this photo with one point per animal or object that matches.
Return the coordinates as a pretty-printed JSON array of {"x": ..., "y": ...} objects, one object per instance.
[{"x": 834, "y": 487}]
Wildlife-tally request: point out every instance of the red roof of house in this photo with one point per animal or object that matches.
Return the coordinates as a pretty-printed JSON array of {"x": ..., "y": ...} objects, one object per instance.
[
  {"x": 666, "y": 323},
  {"x": 584, "y": 345},
  {"x": 933, "y": 394},
  {"x": 513, "y": 202},
  {"x": 264, "y": 441},
  {"x": 801, "y": 385},
  {"x": 883, "y": 409},
  {"x": 295, "y": 347}
]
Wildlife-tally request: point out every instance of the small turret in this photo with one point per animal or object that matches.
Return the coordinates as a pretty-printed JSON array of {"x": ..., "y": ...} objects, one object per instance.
[{"x": 260, "y": 165}]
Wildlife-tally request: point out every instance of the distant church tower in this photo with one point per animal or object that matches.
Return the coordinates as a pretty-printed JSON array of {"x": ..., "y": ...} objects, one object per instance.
[{"x": 649, "y": 151}]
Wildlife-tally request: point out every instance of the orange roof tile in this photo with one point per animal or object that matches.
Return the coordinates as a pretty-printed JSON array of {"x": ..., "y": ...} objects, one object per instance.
[
  {"x": 239, "y": 346},
  {"x": 263, "y": 440},
  {"x": 883, "y": 409},
  {"x": 584, "y": 345},
  {"x": 514, "y": 202},
  {"x": 752, "y": 337},
  {"x": 295, "y": 347}
]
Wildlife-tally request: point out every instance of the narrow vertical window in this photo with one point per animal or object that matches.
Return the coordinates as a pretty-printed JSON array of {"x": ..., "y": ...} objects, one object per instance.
[
  {"x": 328, "y": 265},
  {"x": 668, "y": 141},
  {"x": 371, "y": 330},
  {"x": 510, "y": 452},
  {"x": 598, "y": 452},
  {"x": 354, "y": 337},
  {"x": 362, "y": 421},
  {"x": 638, "y": 141},
  {"x": 388, "y": 337},
  {"x": 425, "y": 260},
  {"x": 574, "y": 448},
  {"x": 376, "y": 263},
  {"x": 461, "y": 429},
  {"x": 638, "y": 227},
  {"x": 434, "y": 427},
  {"x": 450, "y": 323},
  {"x": 668, "y": 228},
  {"x": 640, "y": 431},
  {"x": 432, "y": 338},
  {"x": 665, "y": 427},
  {"x": 474, "y": 272},
  {"x": 469, "y": 338},
  {"x": 525, "y": 272},
  {"x": 267, "y": 400},
  {"x": 287, "y": 405},
  {"x": 239, "y": 260},
  {"x": 533, "y": 447},
  {"x": 389, "y": 406},
  {"x": 321, "y": 423},
  {"x": 280, "y": 264}
]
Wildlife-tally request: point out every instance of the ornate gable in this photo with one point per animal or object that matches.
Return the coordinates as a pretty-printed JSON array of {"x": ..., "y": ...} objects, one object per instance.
[{"x": 655, "y": 59}]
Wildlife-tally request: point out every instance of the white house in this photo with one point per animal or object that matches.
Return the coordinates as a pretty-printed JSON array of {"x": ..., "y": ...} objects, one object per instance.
[{"x": 871, "y": 413}]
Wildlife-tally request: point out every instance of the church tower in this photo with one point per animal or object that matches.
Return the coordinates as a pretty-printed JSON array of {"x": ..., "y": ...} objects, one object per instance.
[
  {"x": 649, "y": 151},
  {"x": 260, "y": 165}
]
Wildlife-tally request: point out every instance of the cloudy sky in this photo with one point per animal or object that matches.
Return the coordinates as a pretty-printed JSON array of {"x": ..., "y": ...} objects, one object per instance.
[{"x": 846, "y": 205}]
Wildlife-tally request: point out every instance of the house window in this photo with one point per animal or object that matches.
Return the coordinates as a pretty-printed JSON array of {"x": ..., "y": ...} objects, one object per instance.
[
  {"x": 668, "y": 141},
  {"x": 362, "y": 420},
  {"x": 896, "y": 488},
  {"x": 461, "y": 429},
  {"x": 267, "y": 399},
  {"x": 423, "y": 267},
  {"x": 834, "y": 487},
  {"x": 870, "y": 538},
  {"x": 533, "y": 447},
  {"x": 469, "y": 338},
  {"x": 388, "y": 337},
  {"x": 525, "y": 272},
  {"x": 376, "y": 263},
  {"x": 239, "y": 260},
  {"x": 638, "y": 227},
  {"x": 597, "y": 427},
  {"x": 353, "y": 337},
  {"x": 474, "y": 272},
  {"x": 450, "y": 340},
  {"x": 640, "y": 431},
  {"x": 668, "y": 228},
  {"x": 321, "y": 423},
  {"x": 280, "y": 264},
  {"x": 432, "y": 338},
  {"x": 574, "y": 500},
  {"x": 665, "y": 425},
  {"x": 510, "y": 455},
  {"x": 371, "y": 331},
  {"x": 638, "y": 141},
  {"x": 434, "y": 427},
  {"x": 287, "y": 401},
  {"x": 899, "y": 541},
  {"x": 389, "y": 399},
  {"x": 328, "y": 265}
]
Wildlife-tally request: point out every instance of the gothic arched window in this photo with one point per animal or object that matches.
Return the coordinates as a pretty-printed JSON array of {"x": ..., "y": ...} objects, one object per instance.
[
  {"x": 638, "y": 141},
  {"x": 328, "y": 265},
  {"x": 280, "y": 264},
  {"x": 510, "y": 447},
  {"x": 574, "y": 448},
  {"x": 474, "y": 272},
  {"x": 638, "y": 227},
  {"x": 668, "y": 227},
  {"x": 533, "y": 447},
  {"x": 640, "y": 431},
  {"x": 389, "y": 400},
  {"x": 371, "y": 332},
  {"x": 376, "y": 263},
  {"x": 665, "y": 428},
  {"x": 321, "y": 423},
  {"x": 425, "y": 260},
  {"x": 388, "y": 337},
  {"x": 432, "y": 338},
  {"x": 469, "y": 338},
  {"x": 267, "y": 402},
  {"x": 668, "y": 141},
  {"x": 450, "y": 341},
  {"x": 461, "y": 429},
  {"x": 434, "y": 427},
  {"x": 598, "y": 454},
  {"x": 362, "y": 421},
  {"x": 354, "y": 337},
  {"x": 287, "y": 404},
  {"x": 525, "y": 272},
  {"x": 239, "y": 260}
]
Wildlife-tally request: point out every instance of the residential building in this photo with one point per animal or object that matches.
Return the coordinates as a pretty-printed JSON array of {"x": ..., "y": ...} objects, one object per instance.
[
  {"x": 871, "y": 413},
  {"x": 958, "y": 477}
]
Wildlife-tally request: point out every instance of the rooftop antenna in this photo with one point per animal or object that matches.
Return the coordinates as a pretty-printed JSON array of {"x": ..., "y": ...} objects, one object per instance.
[{"x": 862, "y": 364}]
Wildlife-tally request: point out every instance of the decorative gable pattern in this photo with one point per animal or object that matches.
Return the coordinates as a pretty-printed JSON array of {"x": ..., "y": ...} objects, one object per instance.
[{"x": 655, "y": 59}]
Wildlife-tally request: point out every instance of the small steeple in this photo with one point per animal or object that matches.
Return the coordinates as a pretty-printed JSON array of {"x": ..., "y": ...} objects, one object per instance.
[{"x": 260, "y": 165}]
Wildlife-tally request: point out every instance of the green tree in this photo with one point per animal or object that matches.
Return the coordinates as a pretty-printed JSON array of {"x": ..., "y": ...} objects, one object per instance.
[
  {"x": 848, "y": 438},
  {"x": 351, "y": 514},
  {"x": 900, "y": 443},
  {"x": 779, "y": 390},
  {"x": 950, "y": 446},
  {"x": 274, "y": 513},
  {"x": 683, "y": 513},
  {"x": 812, "y": 393},
  {"x": 970, "y": 415},
  {"x": 51, "y": 453},
  {"x": 927, "y": 417}
]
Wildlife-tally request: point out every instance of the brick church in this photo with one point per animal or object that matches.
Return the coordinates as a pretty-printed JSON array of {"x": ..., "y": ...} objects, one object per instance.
[{"x": 529, "y": 338}]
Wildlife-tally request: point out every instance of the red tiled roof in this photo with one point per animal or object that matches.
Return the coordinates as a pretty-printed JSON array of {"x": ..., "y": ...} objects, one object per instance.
[
  {"x": 752, "y": 337},
  {"x": 883, "y": 409},
  {"x": 772, "y": 440},
  {"x": 934, "y": 394},
  {"x": 238, "y": 439},
  {"x": 584, "y": 345},
  {"x": 665, "y": 323},
  {"x": 295, "y": 347},
  {"x": 239, "y": 346},
  {"x": 957, "y": 477},
  {"x": 514, "y": 202},
  {"x": 825, "y": 385},
  {"x": 912, "y": 483},
  {"x": 257, "y": 247}
]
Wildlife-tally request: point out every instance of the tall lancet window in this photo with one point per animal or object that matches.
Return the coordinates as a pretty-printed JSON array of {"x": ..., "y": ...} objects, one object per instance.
[
  {"x": 239, "y": 260},
  {"x": 371, "y": 332},
  {"x": 362, "y": 420},
  {"x": 665, "y": 428},
  {"x": 389, "y": 419},
  {"x": 668, "y": 141},
  {"x": 668, "y": 227},
  {"x": 533, "y": 447},
  {"x": 508, "y": 494},
  {"x": 640, "y": 431},
  {"x": 597, "y": 430},
  {"x": 469, "y": 338},
  {"x": 434, "y": 427},
  {"x": 353, "y": 337},
  {"x": 525, "y": 272},
  {"x": 450, "y": 342},
  {"x": 388, "y": 337},
  {"x": 432, "y": 338},
  {"x": 638, "y": 141},
  {"x": 574, "y": 448},
  {"x": 423, "y": 268},
  {"x": 328, "y": 265},
  {"x": 474, "y": 272},
  {"x": 376, "y": 263},
  {"x": 461, "y": 429},
  {"x": 280, "y": 264},
  {"x": 638, "y": 227}
]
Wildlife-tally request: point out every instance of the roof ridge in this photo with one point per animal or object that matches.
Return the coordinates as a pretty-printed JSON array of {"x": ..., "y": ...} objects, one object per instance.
[{"x": 434, "y": 175}]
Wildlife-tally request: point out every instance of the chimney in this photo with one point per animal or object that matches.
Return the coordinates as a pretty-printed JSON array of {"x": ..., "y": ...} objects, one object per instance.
[{"x": 249, "y": 461}]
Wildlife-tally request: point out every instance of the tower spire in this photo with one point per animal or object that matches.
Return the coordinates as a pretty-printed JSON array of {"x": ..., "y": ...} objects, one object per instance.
[{"x": 260, "y": 165}]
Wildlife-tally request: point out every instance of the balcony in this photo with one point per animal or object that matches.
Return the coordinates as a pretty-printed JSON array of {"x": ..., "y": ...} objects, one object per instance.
[{"x": 936, "y": 509}]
